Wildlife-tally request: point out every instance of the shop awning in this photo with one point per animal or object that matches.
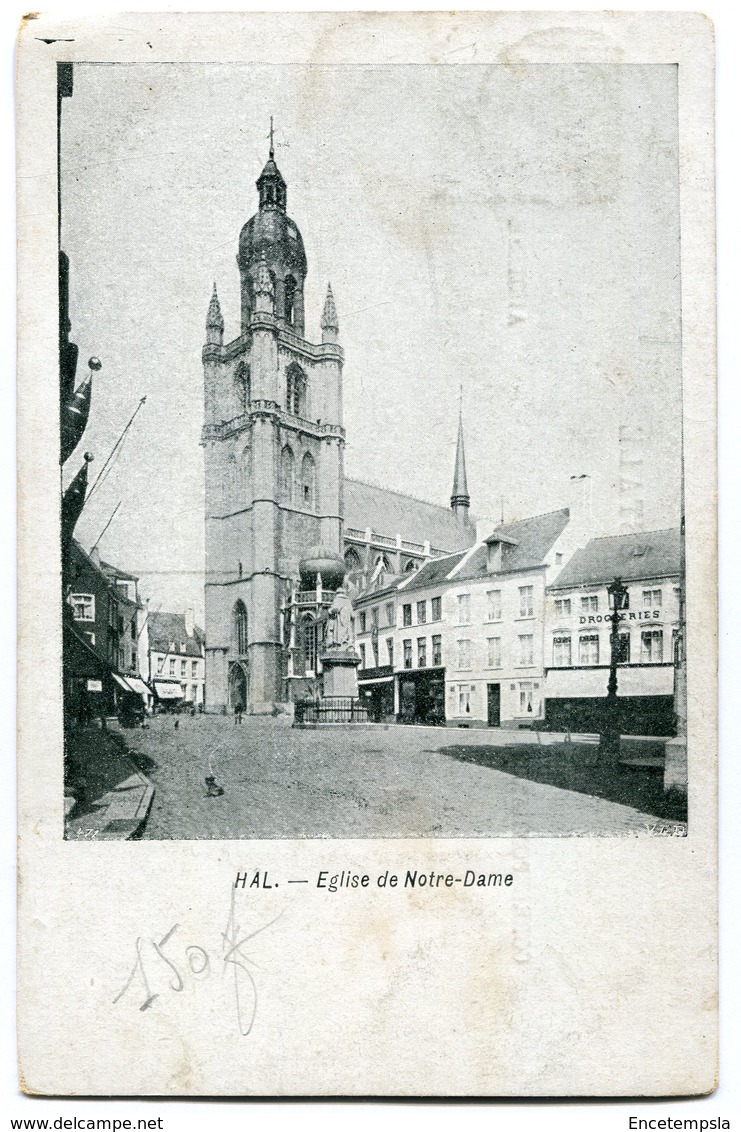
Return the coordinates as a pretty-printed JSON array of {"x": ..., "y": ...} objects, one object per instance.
[
  {"x": 168, "y": 691},
  {"x": 138, "y": 686},
  {"x": 121, "y": 682}
]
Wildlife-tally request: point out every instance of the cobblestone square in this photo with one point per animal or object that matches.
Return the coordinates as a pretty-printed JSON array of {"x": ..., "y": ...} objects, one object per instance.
[{"x": 376, "y": 782}]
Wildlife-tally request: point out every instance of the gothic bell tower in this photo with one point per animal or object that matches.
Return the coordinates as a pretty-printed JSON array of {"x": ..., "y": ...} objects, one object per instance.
[{"x": 273, "y": 453}]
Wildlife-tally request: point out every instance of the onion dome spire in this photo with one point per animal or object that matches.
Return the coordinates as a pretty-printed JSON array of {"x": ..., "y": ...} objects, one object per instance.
[
  {"x": 460, "y": 500},
  {"x": 270, "y": 183},
  {"x": 330, "y": 324}
]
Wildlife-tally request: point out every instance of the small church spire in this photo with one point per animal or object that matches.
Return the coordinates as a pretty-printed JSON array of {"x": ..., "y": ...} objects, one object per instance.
[
  {"x": 214, "y": 321},
  {"x": 460, "y": 500},
  {"x": 270, "y": 183},
  {"x": 330, "y": 325}
]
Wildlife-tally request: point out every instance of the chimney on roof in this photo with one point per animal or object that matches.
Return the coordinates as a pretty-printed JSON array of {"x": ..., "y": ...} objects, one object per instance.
[
  {"x": 95, "y": 556},
  {"x": 580, "y": 507},
  {"x": 189, "y": 622}
]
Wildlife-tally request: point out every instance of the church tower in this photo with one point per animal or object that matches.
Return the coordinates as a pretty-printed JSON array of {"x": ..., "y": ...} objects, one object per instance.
[{"x": 273, "y": 452}]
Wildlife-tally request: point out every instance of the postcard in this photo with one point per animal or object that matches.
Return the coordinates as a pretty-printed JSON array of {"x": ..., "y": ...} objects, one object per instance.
[{"x": 367, "y": 555}]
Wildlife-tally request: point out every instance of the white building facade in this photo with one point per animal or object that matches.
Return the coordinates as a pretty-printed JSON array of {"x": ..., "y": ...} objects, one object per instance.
[{"x": 578, "y": 630}]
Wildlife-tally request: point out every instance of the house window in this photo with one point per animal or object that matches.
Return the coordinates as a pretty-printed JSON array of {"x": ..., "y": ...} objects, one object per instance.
[
  {"x": 363, "y": 622},
  {"x": 362, "y": 656},
  {"x": 374, "y": 616},
  {"x": 83, "y": 606},
  {"x": 562, "y": 652},
  {"x": 134, "y": 659},
  {"x": 590, "y": 603},
  {"x": 623, "y": 648},
  {"x": 563, "y": 606},
  {"x": 390, "y": 650},
  {"x": 421, "y": 652},
  {"x": 464, "y": 654},
  {"x": 308, "y": 483},
  {"x": 652, "y": 646},
  {"x": 183, "y": 667},
  {"x": 421, "y": 612},
  {"x": 193, "y": 669},
  {"x": 652, "y": 599},
  {"x": 559, "y": 559},
  {"x": 406, "y": 615},
  {"x": 133, "y": 628},
  {"x": 526, "y": 698},
  {"x": 437, "y": 608},
  {"x": 526, "y": 601},
  {"x": 194, "y": 693},
  {"x": 172, "y": 667},
  {"x": 494, "y": 605},
  {"x": 407, "y": 654},
  {"x": 526, "y": 649},
  {"x": 160, "y": 663},
  {"x": 464, "y": 698},
  {"x": 390, "y": 614},
  {"x": 437, "y": 650},
  {"x": 464, "y": 609},
  {"x": 589, "y": 649},
  {"x": 494, "y": 652}
]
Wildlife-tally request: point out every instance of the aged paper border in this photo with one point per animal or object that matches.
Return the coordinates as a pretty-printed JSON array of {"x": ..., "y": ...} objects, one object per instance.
[{"x": 80, "y": 907}]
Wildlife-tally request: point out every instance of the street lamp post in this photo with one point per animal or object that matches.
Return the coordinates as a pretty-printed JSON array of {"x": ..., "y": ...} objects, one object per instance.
[{"x": 610, "y": 740}]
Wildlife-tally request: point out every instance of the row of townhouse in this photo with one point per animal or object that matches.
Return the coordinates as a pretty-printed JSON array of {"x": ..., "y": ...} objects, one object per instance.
[
  {"x": 516, "y": 631},
  {"x": 118, "y": 656},
  {"x": 102, "y": 636},
  {"x": 176, "y": 658}
]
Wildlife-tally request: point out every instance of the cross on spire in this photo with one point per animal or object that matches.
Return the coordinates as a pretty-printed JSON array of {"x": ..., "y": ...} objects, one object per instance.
[{"x": 272, "y": 151}]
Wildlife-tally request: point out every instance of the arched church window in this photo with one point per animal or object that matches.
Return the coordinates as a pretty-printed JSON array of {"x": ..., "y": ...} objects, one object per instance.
[
  {"x": 242, "y": 386},
  {"x": 296, "y": 391},
  {"x": 383, "y": 562},
  {"x": 308, "y": 643},
  {"x": 352, "y": 559},
  {"x": 308, "y": 483},
  {"x": 240, "y": 628},
  {"x": 289, "y": 300},
  {"x": 287, "y": 474},
  {"x": 410, "y": 567}
]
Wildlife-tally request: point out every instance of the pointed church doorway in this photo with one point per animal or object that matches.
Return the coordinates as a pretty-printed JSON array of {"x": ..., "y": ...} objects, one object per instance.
[{"x": 237, "y": 686}]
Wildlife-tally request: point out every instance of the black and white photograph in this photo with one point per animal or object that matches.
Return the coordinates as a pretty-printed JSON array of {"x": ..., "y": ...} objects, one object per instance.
[
  {"x": 382, "y": 534},
  {"x": 367, "y": 572}
]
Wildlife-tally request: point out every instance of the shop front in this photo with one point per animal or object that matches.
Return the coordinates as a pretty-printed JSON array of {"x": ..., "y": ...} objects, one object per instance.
[
  {"x": 376, "y": 693},
  {"x": 422, "y": 696}
]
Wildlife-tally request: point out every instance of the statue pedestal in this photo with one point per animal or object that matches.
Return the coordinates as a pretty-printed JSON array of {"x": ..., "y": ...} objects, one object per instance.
[{"x": 340, "y": 668}]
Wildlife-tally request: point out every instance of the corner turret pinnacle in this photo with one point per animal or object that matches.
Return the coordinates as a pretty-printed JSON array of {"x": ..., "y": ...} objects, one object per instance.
[
  {"x": 330, "y": 324},
  {"x": 460, "y": 500},
  {"x": 214, "y": 321}
]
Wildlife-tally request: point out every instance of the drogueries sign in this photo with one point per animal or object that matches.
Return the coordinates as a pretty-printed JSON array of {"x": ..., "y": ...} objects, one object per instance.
[{"x": 640, "y": 615}]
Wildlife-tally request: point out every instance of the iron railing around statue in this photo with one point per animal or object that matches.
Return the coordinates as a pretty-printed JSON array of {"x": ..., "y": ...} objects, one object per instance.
[{"x": 331, "y": 709}]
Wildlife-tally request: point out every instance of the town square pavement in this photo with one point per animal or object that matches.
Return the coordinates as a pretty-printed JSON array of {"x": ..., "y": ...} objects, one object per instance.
[{"x": 395, "y": 781}]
